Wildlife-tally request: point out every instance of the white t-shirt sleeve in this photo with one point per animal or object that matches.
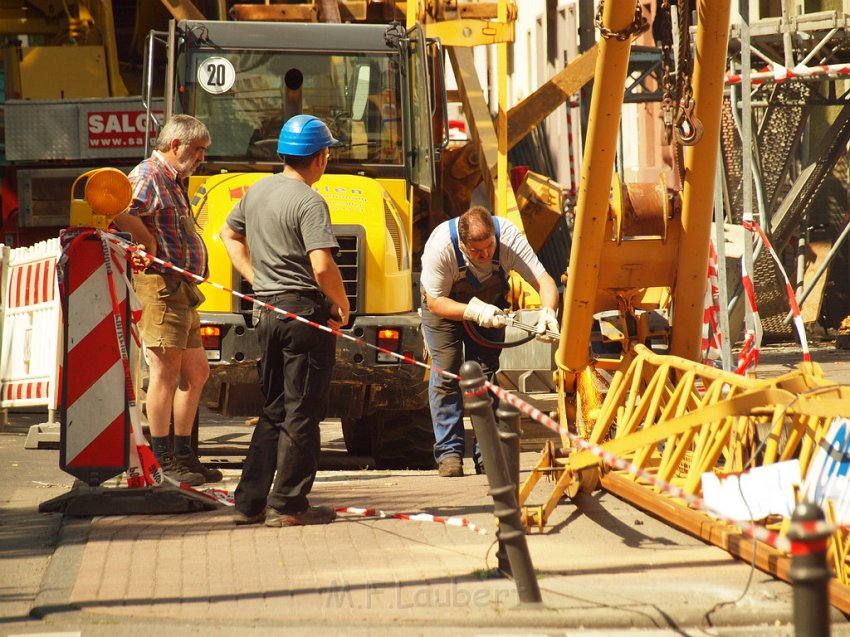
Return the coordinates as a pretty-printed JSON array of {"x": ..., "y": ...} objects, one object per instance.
[
  {"x": 439, "y": 266},
  {"x": 515, "y": 253}
]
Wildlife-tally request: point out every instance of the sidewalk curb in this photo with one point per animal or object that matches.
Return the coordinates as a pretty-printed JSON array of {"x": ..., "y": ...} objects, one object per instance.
[{"x": 63, "y": 569}]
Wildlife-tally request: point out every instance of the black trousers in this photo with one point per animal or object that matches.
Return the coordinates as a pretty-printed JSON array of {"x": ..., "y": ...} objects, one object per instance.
[{"x": 295, "y": 372}]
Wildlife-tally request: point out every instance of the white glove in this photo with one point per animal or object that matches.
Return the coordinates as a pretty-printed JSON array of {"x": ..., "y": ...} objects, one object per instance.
[
  {"x": 548, "y": 322},
  {"x": 484, "y": 314}
]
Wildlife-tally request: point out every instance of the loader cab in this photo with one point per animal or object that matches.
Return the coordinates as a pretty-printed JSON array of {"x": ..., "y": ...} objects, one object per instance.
[{"x": 368, "y": 83}]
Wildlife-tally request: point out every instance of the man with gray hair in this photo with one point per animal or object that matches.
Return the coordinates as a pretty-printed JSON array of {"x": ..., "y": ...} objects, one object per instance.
[{"x": 160, "y": 220}]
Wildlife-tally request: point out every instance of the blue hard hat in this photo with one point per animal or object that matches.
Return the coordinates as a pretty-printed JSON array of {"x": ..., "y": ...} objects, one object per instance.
[{"x": 303, "y": 135}]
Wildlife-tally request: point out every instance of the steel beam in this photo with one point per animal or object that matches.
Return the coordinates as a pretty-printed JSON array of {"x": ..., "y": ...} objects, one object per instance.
[
  {"x": 700, "y": 166},
  {"x": 594, "y": 192},
  {"x": 539, "y": 105}
]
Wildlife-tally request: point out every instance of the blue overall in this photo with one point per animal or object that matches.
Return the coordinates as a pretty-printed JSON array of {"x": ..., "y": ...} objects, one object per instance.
[{"x": 450, "y": 345}]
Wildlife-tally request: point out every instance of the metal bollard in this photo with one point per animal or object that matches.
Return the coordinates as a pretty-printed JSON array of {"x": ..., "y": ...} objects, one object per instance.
[
  {"x": 809, "y": 573},
  {"x": 477, "y": 405},
  {"x": 507, "y": 419}
]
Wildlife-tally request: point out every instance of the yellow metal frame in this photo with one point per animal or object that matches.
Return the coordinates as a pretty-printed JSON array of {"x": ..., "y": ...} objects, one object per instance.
[
  {"x": 674, "y": 420},
  {"x": 678, "y": 419},
  {"x": 594, "y": 191},
  {"x": 470, "y": 32}
]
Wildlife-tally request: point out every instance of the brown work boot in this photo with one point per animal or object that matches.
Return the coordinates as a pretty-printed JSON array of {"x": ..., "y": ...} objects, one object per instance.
[
  {"x": 310, "y": 515},
  {"x": 451, "y": 467}
]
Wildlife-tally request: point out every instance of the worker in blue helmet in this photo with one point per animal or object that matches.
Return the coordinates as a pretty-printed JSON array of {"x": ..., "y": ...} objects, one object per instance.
[
  {"x": 279, "y": 237},
  {"x": 304, "y": 135}
]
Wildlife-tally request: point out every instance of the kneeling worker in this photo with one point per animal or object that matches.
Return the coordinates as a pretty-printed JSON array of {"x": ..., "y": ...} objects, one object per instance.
[{"x": 465, "y": 265}]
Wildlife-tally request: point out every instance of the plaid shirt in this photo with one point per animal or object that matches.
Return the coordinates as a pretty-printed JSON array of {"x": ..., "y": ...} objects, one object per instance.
[{"x": 160, "y": 200}]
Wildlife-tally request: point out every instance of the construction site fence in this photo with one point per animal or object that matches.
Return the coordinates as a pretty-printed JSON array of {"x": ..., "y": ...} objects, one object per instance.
[{"x": 30, "y": 322}]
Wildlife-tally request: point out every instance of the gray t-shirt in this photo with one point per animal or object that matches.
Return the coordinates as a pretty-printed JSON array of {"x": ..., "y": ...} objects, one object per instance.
[{"x": 283, "y": 219}]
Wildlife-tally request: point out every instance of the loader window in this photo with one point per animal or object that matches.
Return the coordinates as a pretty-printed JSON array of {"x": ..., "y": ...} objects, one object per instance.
[
  {"x": 360, "y": 97},
  {"x": 418, "y": 113},
  {"x": 357, "y": 96}
]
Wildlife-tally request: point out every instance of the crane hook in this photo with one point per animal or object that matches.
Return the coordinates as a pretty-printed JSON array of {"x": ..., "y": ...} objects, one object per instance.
[{"x": 688, "y": 129}]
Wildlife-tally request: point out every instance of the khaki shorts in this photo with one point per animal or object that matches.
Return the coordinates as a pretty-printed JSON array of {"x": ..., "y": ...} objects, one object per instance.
[{"x": 169, "y": 310}]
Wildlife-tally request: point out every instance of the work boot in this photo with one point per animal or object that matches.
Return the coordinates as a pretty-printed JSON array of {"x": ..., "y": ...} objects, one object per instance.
[
  {"x": 451, "y": 467},
  {"x": 310, "y": 515},
  {"x": 190, "y": 460},
  {"x": 176, "y": 470}
]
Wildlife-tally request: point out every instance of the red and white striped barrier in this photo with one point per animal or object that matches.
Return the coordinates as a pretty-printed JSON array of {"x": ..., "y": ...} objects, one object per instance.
[
  {"x": 415, "y": 517},
  {"x": 29, "y": 354},
  {"x": 95, "y": 423},
  {"x": 748, "y": 358}
]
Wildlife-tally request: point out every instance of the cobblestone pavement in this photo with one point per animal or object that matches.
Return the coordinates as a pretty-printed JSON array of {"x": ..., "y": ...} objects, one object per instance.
[{"x": 603, "y": 566}]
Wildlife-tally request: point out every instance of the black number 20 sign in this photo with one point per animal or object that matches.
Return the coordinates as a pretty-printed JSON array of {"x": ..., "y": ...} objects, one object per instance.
[{"x": 216, "y": 75}]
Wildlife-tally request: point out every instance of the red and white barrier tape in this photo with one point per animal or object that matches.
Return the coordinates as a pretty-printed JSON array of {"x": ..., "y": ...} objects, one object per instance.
[
  {"x": 792, "y": 298},
  {"x": 225, "y": 497},
  {"x": 415, "y": 517},
  {"x": 271, "y": 308},
  {"x": 778, "y": 73},
  {"x": 749, "y": 355},
  {"x": 772, "y": 538},
  {"x": 711, "y": 337}
]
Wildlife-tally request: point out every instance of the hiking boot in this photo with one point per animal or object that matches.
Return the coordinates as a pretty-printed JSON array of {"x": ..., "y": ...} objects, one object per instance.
[
  {"x": 173, "y": 468},
  {"x": 479, "y": 468},
  {"x": 451, "y": 467},
  {"x": 190, "y": 460},
  {"x": 240, "y": 518},
  {"x": 310, "y": 515}
]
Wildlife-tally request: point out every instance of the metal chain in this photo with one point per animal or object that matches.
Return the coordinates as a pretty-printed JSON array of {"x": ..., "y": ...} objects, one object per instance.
[
  {"x": 638, "y": 24},
  {"x": 669, "y": 95},
  {"x": 681, "y": 125},
  {"x": 686, "y": 126}
]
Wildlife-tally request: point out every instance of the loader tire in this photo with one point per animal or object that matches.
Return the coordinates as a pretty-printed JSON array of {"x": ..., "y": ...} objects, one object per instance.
[
  {"x": 403, "y": 440},
  {"x": 357, "y": 434}
]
